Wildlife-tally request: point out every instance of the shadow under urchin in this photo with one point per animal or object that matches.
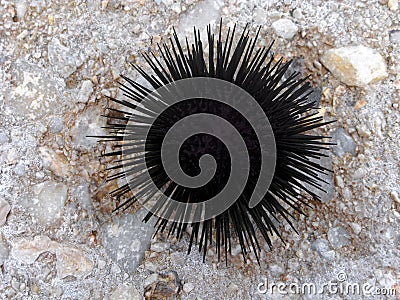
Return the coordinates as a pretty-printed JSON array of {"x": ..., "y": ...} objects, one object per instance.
[{"x": 285, "y": 104}]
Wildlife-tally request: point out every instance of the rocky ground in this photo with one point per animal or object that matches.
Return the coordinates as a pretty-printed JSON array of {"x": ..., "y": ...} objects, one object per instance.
[{"x": 58, "y": 238}]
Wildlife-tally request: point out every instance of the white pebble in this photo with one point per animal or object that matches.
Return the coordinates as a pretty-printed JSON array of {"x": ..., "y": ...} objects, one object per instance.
[
  {"x": 285, "y": 28},
  {"x": 188, "y": 287},
  {"x": 85, "y": 91}
]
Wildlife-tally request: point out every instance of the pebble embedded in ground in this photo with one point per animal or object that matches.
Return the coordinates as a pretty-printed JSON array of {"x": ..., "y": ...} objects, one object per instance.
[{"x": 355, "y": 65}]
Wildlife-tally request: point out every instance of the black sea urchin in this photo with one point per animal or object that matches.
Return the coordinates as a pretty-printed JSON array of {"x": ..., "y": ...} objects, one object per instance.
[{"x": 236, "y": 84}]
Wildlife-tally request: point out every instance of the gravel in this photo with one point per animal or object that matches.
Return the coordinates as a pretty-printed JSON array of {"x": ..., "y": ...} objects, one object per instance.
[{"x": 58, "y": 236}]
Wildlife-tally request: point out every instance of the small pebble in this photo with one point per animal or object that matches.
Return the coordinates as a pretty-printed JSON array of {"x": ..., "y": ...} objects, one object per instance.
[
  {"x": 338, "y": 237},
  {"x": 159, "y": 247},
  {"x": 394, "y": 36},
  {"x": 85, "y": 91},
  {"x": 359, "y": 173},
  {"x": 151, "y": 279},
  {"x": 285, "y": 28},
  {"x": 356, "y": 227},
  {"x": 298, "y": 13},
  {"x": 355, "y": 65},
  {"x": 344, "y": 143},
  {"x": 188, "y": 287},
  {"x": 321, "y": 246},
  {"x": 393, "y": 4},
  {"x": 3, "y": 138},
  {"x": 4, "y": 210}
]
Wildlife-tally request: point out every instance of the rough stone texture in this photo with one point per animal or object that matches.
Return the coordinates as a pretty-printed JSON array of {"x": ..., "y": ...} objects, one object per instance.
[
  {"x": 355, "y": 65},
  {"x": 125, "y": 292},
  {"x": 47, "y": 202},
  {"x": 344, "y": 143},
  {"x": 63, "y": 59},
  {"x": 72, "y": 262},
  {"x": 28, "y": 250},
  {"x": 85, "y": 91},
  {"x": 88, "y": 124},
  {"x": 202, "y": 14},
  {"x": 4, "y": 251},
  {"x": 164, "y": 286},
  {"x": 55, "y": 162},
  {"x": 338, "y": 237},
  {"x": 285, "y": 28},
  {"x": 126, "y": 238},
  {"x": 159, "y": 247},
  {"x": 4, "y": 210},
  {"x": 323, "y": 249},
  {"x": 394, "y": 36}
]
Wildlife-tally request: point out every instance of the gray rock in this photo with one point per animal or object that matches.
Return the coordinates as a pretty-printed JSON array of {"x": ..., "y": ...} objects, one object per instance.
[
  {"x": 394, "y": 36},
  {"x": 56, "y": 124},
  {"x": 296, "y": 66},
  {"x": 344, "y": 143},
  {"x": 50, "y": 198},
  {"x": 188, "y": 287},
  {"x": 355, "y": 65},
  {"x": 37, "y": 93},
  {"x": 4, "y": 252},
  {"x": 159, "y": 247},
  {"x": 126, "y": 239},
  {"x": 3, "y": 137},
  {"x": 81, "y": 192},
  {"x": 338, "y": 237},
  {"x": 298, "y": 13},
  {"x": 126, "y": 292},
  {"x": 315, "y": 96},
  {"x": 285, "y": 28},
  {"x": 85, "y": 91},
  {"x": 20, "y": 9},
  {"x": 62, "y": 58},
  {"x": 321, "y": 246},
  {"x": 88, "y": 124},
  {"x": 356, "y": 228},
  {"x": 4, "y": 210},
  {"x": 276, "y": 270},
  {"x": 20, "y": 169}
]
